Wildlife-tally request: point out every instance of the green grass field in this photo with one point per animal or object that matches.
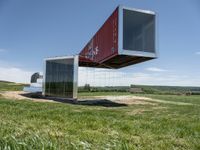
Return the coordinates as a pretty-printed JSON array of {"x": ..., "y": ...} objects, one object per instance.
[
  {"x": 35, "y": 125},
  {"x": 172, "y": 122}
]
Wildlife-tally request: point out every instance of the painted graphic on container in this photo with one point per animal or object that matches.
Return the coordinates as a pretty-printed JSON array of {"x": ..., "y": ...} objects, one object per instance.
[{"x": 104, "y": 44}]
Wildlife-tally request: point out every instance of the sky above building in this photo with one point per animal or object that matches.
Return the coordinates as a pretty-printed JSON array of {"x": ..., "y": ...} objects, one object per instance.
[{"x": 31, "y": 30}]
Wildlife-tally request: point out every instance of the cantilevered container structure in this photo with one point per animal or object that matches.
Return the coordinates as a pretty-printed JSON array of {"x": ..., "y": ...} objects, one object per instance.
[{"x": 127, "y": 37}]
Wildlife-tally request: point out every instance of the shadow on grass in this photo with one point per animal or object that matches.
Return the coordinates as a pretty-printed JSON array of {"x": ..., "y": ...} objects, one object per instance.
[{"x": 88, "y": 102}]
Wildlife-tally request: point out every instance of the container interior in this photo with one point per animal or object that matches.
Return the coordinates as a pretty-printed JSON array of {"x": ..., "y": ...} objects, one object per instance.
[{"x": 138, "y": 31}]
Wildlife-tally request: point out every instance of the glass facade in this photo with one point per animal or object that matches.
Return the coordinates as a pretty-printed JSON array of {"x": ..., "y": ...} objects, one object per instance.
[
  {"x": 138, "y": 31},
  {"x": 59, "y": 78}
]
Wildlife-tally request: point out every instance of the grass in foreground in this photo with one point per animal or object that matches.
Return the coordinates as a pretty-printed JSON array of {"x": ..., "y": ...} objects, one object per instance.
[{"x": 32, "y": 125}]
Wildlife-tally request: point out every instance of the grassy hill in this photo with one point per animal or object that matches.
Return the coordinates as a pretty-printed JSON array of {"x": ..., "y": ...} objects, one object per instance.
[
  {"x": 10, "y": 86},
  {"x": 167, "y": 89}
]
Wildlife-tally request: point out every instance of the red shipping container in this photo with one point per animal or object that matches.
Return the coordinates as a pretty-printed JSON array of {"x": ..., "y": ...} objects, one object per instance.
[{"x": 127, "y": 37}]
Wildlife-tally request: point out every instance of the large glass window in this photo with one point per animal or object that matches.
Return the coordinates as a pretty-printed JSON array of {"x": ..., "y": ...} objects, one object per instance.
[
  {"x": 59, "y": 78},
  {"x": 138, "y": 31}
]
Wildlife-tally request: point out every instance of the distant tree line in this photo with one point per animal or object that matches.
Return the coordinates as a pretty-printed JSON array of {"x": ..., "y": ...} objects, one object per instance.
[{"x": 144, "y": 89}]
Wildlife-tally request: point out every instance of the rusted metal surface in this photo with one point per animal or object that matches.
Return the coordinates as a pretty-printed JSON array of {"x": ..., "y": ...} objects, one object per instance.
[{"x": 104, "y": 44}]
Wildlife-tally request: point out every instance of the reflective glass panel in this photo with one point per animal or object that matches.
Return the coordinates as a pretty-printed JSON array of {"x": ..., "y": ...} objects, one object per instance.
[{"x": 59, "y": 78}]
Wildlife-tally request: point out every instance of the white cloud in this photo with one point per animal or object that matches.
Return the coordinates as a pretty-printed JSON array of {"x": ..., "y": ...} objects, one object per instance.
[
  {"x": 197, "y": 53},
  {"x": 109, "y": 77},
  {"x": 15, "y": 75},
  {"x": 101, "y": 77},
  {"x": 155, "y": 69}
]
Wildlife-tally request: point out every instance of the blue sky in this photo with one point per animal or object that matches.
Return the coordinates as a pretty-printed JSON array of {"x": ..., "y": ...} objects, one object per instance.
[{"x": 31, "y": 30}]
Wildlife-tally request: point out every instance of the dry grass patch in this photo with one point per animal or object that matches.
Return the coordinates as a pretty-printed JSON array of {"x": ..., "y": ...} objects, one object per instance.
[
  {"x": 18, "y": 95},
  {"x": 137, "y": 111},
  {"x": 129, "y": 100}
]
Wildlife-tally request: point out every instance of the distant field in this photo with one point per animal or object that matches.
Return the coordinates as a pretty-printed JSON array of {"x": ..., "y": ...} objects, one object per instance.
[
  {"x": 194, "y": 99},
  {"x": 10, "y": 86},
  {"x": 146, "y": 89}
]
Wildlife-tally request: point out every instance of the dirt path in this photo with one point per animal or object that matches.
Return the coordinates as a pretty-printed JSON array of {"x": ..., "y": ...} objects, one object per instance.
[
  {"x": 128, "y": 100},
  {"x": 18, "y": 95}
]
